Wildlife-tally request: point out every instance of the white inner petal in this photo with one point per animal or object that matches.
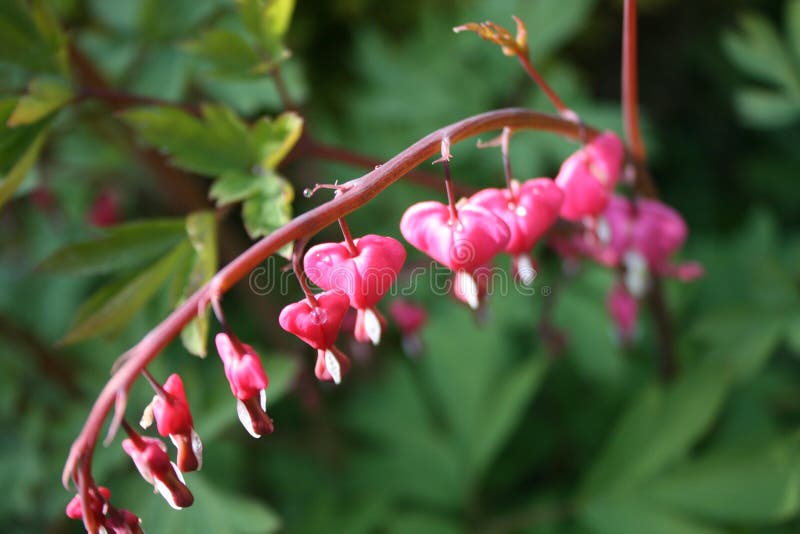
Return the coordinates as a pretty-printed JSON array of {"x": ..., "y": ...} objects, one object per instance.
[
  {"x": 244, "y": 417},
  {"x": 262, "y": 399},
  {"x": 197, "y": 448},
  {"x": 332, "y": 365},
  {"x": 468, "y": 288},
  {"x": 166, "y": 493},
  {"x": 372, "y": 326},
  {"x": 525, "y": 269},
  {"x": 637, "y": 276},
  {"x": 603, "y": 230},
  {"x": 147, "y": 415}
]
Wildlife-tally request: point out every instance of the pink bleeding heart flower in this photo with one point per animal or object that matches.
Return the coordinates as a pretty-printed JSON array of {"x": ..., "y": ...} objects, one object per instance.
[
  {"x": 463, "y": 242},
  {"x": 103, "y": 514},
  {"x": 410, "y": 318},
  {"x": 170, "y": 409},
  {"x": 248, "y": 383},
  {"x": 528, "y": 210},
  {"x": 588, "y": 177},
  {"x": 364, "y": 274},
  {"x": 623, "y": 309},
  {"x": 105, "y": 209},
  {"x": 318, "y": 324},
  {"x": 151, "y": 459}
]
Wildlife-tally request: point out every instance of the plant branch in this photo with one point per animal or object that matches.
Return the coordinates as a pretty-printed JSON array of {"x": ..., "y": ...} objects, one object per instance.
[
  {"x": 630, "y": 84},
  {"x": 361, "y": 192}
]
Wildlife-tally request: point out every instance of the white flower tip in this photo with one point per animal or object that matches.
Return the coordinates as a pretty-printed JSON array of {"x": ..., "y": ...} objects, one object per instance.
[
  {"x": 244, "y": 417},
  {"x": 147, "y": 415},
  {"x": 165, "y": 492},
  {"x": 333, "y": 368},
  {"x": 637, "y": 275},
  {"x": 525, "y": 270},
  {"x": 468, "y": 288},
  {"x": 372, "y": 326},
  {"x": 197, "y": 448},
  {"x": 262, "y": 399}
]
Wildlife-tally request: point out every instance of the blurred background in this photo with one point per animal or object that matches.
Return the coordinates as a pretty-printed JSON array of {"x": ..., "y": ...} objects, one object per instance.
[{"x": 485, "y": 429}]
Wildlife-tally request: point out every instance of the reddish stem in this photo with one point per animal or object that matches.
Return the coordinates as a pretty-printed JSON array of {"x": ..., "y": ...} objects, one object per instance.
[
  {"x": 543, "y": 85},
  {"x": 363, "y": 190},
  {"x": 448, "y": 185},
  {"x": 348, "y": 237},
  {"x": 297, "y": 266},
  {"x": 505, "y": 139},
  {"x": 630, "y": 88},
  {"x": 158, "y": 388}
]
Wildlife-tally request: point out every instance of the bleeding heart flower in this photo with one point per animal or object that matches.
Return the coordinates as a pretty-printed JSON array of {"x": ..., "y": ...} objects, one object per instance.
[
  {"x": 318, "y": 324},
  {"x": 528, "y": 210},
  {"x": 248, "y": 383},
  {"x": 171, "y": 412},
  {"x": 98, "y": 499},
  {"x": 623, "y": 308},
  {"x": 103, "y": 514},
  {"x": 410, "y": 318},
  {"x": 364, "y": 274},
  {"x": 463, "y": 243},
  {"x": 589, "y": 175},
  {"x": 151, "y": 459}
]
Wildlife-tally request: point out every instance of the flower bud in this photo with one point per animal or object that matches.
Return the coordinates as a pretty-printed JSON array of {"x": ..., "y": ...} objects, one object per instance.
[{"x": 151, "y": 459}]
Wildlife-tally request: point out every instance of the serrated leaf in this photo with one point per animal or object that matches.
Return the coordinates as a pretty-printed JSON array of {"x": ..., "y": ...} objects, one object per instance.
[
  {"x": 758, "y": 50},
  {"x": 202, "y": 230},
  {"x": 756, "y": 485},
  {"x": 215, "y": 144},
  {"x": 767, "y": 108},
  {"x": 227, "y": 51},
  {"x": 276, "y": 138},
  {"x": 44, "y": 96},
  {"x": 114, "y": 305},
  {"x": 270, "y": 208},
  {"x": 235, "y": 186},
  {"x": 659, "y": 427},
  {"x": 121, "y": 246},
  {"x": 267, "y": 20}
]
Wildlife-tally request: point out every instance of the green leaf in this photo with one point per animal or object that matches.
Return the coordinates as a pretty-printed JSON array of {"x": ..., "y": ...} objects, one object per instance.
[
  {"x": 215, "y": 144},
  {"x": 793, "y": 334},
  {"x": 215, "y": 510},
  {"x": 202, "y": 229},
  {"x": 270, "y": 208},
  {"x": 235, "y": 186},
  {"x": 282, "y": 372},
  {"x": 114, "y": 305},
  {"x": 757, "y": 485},
  {"x": 767, "y": 108},
  {"x": 792, "y": 18},
  {"x": 31, "y": 37},
  {"x": 659, "y": 427},
  {"x": 275, "y": 139},
  {"x": 19, "y": 148},
  {"x": 267, "y": 20},
  {"x": 630, "y": 514},
  {"x": 758, "y": 50},
  {"x": 227, "y": 52},
  {"x": 16, "y": 175},
  {"x": 44, "y": 96},
  {"x": 122, "y": 246},
  {"x": 504, "y": 409}
]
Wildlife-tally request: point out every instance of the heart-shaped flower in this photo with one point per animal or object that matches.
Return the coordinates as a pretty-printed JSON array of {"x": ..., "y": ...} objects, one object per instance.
[
  {"x": 528, "y": 209},
  {"x": 151, "y": 459},
  {"x": 248, "y": 383},
  {"x": 170, "y": 409},
  {"x": 318, "y": 324},
  {"x": 364, "y": 274},
  {"x": 588, "y": 177},
  {"x": 463, "y": 242},
  {"x": 410, "y": 318}
]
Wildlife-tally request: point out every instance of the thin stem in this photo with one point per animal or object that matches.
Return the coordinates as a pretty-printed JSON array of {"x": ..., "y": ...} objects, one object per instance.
[
  {"x": 132, "y": 434},
  {"x": 364, "y": 189},
  {"x": 630, "y": 84},
  {"x": 297, "y": 266},
  {"x": 448, "y": 185},
  {"x": 157, "y": 387},
  {"x": 505, "y": 139},
  {"x": 348, "y": 237},
  {"x": 283, "y": 92},
  {"x": 543, "y": 85}
]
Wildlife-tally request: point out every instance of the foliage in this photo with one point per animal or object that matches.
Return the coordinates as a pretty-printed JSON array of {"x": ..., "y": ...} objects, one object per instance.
[{"x": 485, "y": 430}]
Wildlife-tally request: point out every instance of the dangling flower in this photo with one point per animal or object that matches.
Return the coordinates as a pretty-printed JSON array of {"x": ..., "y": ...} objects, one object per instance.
[
  {"x": 463, "y": 239},
  {"x": 623, "y": 308},
  {"x": 151, "y": 459},
  {"x": 248, "y": 383},
  {"x": 410, "y": 318},
  {"x": 364, "y": 273},
  {"x": 588, "y": 177},
  {"x": 318, "y": 323},
  {"x": 170, "y": 409},
  {"x": 108, "y": 518},
  {"x": 528, "y": 210}
]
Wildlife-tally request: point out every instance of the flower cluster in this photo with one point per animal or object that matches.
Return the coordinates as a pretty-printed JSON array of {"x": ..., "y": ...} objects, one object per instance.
[{"x": 100, "y": 512}]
